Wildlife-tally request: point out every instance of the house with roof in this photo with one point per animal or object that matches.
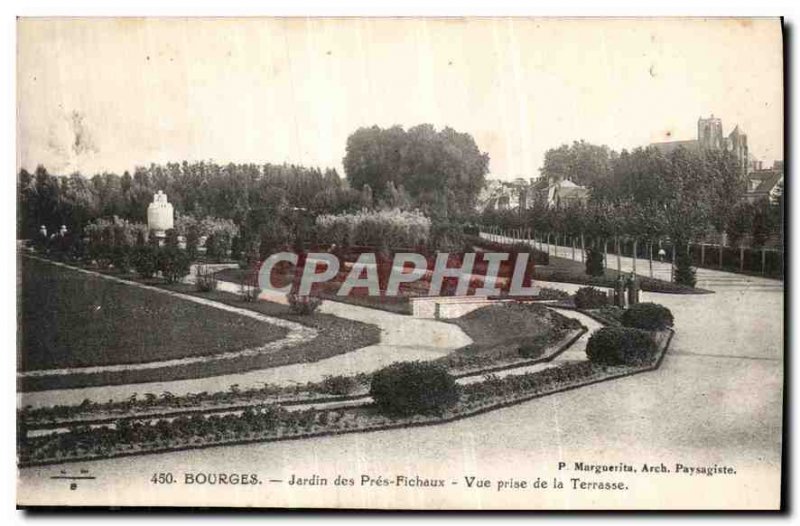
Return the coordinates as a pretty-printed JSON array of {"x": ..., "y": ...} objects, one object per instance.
[{"x": 765, "y": 184}]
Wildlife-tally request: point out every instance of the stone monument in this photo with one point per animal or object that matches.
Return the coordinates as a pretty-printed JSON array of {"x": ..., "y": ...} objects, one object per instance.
[{"x": 160, "y": 216}]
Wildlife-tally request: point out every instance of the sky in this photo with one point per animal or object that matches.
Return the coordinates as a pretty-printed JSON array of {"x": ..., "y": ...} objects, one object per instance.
[{"x": 110, "y": 94}]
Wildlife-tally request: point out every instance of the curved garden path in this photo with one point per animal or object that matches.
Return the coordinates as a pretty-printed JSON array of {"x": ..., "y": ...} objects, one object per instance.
[
  {"x": 402, "y": 338},
  {"x": 716, "y": 399}
]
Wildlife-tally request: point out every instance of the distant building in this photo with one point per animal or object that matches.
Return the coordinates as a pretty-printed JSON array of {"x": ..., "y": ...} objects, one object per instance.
[
  {"x": 559, "y": 193},
  {"x": 711, "y": 137},
  {"x": 765, "y": 184},
  {"x": 522, "y": 195}
]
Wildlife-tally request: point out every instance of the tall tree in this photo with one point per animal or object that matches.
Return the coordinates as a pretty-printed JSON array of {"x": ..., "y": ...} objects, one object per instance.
[
  {"x": 582, "y": 163},
  {"x": 436, "y": 168}
]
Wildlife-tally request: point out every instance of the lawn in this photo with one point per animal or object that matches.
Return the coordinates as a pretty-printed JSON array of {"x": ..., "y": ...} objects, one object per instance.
[
  {"x": 568, "y": 271},
  {"x": 71, "y": 319},
  {"x": 507, "y": 333}
]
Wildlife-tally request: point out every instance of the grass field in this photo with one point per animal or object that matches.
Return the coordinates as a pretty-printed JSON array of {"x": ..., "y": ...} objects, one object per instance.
[
  {"x": 70, "y": 319},
  {"x": 501, "y": 332}
]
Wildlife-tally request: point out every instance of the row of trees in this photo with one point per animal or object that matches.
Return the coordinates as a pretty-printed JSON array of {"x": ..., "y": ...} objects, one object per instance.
[
  {"x": 243, "y": 193},
  {"x": 437, "y": 172},
  {"x": 648, "y": 197},
  {"x": 684, "y": 194}
]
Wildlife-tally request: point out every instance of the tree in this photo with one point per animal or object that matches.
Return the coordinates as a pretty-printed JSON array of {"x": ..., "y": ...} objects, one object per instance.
[
  {"x": 434, "y": 167},
  {"x": 582, "y": 163},
  {"x": 740, "y": 222}
]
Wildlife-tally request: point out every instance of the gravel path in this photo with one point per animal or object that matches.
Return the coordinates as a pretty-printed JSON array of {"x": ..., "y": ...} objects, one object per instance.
[
  {"x": 403, "y": 338},
  {"x": 716, "y": 399}
]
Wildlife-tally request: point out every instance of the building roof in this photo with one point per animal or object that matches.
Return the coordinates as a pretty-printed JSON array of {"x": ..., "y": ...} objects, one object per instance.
[{"x": 769, "y": 180}]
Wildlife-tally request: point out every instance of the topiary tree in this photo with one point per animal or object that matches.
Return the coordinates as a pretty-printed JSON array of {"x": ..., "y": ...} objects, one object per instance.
[
  {"x": 621, "y": 346},
  {"x": 684, "y": 272},
  {"x": 594, "y": 262},
  {"x": 647, "y": 316},
  {"x": 409, "y": 388}
]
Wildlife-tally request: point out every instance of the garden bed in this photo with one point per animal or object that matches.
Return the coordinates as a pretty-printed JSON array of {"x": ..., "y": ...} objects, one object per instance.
[
  {"x": 271, "y": 423},
  {"x": 509, "y": 335}
]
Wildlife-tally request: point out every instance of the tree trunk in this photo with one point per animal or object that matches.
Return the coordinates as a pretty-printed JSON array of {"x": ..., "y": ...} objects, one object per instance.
[
  {"x": 619, "y": 257},
  {"x": 635, "y": 242},
  {"x": 651, "y": 259},
  {"x": 583, "y": 249}
]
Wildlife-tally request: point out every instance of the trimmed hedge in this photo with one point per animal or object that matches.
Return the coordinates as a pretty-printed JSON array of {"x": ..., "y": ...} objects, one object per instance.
[
  {"x": 647, "y": 316},
  {"x": 621, "y": 346},
  {"x": 409, "y": 388},
  {"x": 590, "y": 298}
]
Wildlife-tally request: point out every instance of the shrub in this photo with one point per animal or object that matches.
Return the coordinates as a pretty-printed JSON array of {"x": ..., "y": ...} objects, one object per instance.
[
  {"x": 173, "y": 264},
  {"x": 248, "y": 285},
  {"x": 471, "y": 230},
  {"x": 647, "y": 316},
  {"x": 547, "y": 293},
  {"x": 620, "y": 346},
  {"x": 171, "y": 238},
  {"x": 216, "y": 247},
  {"x": 594, "y": 262},
  {"x": 409, "y": 388},
  {"x": 446, "y": 237},
  {"x": 391, "y": 228},
  {"x": 590, "y": 298},
  {"x": 338, "y": 385},
  {"x": 205, "y": 280},
  {"x": 145, "y": 260},
  {"x": 303, "y": 305},
  {"x": 122, "y": 258},
  {"x": 532, "y": 347}
]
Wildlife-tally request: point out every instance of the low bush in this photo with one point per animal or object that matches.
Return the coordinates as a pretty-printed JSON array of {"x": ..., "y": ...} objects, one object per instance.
[
  {"x": 409, "y": 388},
  {"x": 205, "y": 280},
  {"x": 145, "y": 260},
  {"x": 173, "y": 263},
  {"x": 338, "y": 385},
  {"x": 534, "y": 346},
  {"x": 590, "y": 298},
  {"x": 122, "y": 258},
  {"x": 303, "y": 305},
  {"x": 647, "y": 316},
  {"x": 548, "y": 293},
  {"x": 248, "y": 285},
  {"x": 471, "y": 230},
  {"x": 621, "y": 346}
]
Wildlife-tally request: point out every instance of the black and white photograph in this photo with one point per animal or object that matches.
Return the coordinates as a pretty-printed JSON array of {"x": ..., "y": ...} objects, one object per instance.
[{"x": 400, "y": 263}]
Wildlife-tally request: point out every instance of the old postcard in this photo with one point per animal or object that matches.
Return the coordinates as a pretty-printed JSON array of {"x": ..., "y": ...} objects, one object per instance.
[{"x": 400, "y": 263}]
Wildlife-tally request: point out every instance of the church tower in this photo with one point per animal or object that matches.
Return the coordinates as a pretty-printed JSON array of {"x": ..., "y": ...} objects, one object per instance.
[{"x": 709, "y": 133}]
